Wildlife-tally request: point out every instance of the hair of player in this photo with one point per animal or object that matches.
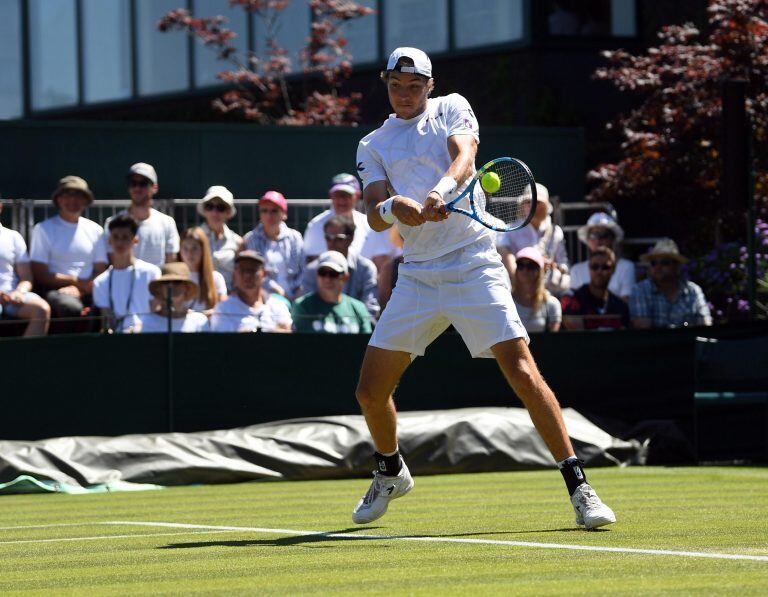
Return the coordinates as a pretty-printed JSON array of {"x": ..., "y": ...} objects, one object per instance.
[
  {"x": 346, "y": 223},
  {"x": 605, "y": 252},
  {"x": 205, "y": 271},
  {"x": 124, "y": 221}
]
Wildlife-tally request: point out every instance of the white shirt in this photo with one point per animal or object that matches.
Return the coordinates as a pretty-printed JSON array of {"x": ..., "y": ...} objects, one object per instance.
[
  {"x": 380, "y": 244},
  {"x": 224, "y": 247},
  {"x": 13, "y": 250},
  {"x": 67, "y": 248},
  {"x": 233, "y": 315},
  {"x": 412, "y": 155},
  {"x": 218, "y": 283},
  {"x": 622, "y": 281},
  {"x": 314, "y": 235},
  {"x": 548, "y": 238},
  {"x": 125, "y": 291},
  {"x": 157, "y": 236},
  {"x": 153, "y": 323}
]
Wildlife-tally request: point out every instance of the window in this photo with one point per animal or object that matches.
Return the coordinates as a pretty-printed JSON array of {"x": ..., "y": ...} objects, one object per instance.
[
  {"x": 485, "y": 22},
  {"x": 291, "y": 32},
  {"x": 106, "y": 31},
  {"x": 11, "y": 100},
  {"x": 206, "y": 62},
  {"x": 163, "y": 60},
  {"x": 591, "y": 18},
  {"x": 418, "y": 23},
  {"x": 362, "y": 35},
  {"x": 53, "y": 53}
]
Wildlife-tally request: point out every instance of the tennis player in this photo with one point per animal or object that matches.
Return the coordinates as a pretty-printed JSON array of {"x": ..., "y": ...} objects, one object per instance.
[{"x": 423, "y": 155}]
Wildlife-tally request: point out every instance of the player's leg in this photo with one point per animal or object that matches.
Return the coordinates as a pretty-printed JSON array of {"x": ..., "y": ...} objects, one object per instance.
[
  {"x": 380, "y": 373},
  {"x": 519, "y": 368}
]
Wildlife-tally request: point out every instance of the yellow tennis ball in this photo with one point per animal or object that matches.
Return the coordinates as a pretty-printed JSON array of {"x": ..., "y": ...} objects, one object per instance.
[{"x": 490, "y": 182}]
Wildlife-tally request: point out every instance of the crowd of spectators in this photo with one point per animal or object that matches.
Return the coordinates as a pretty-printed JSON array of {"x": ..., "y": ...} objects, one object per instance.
[{"x": 139, "y": 275}]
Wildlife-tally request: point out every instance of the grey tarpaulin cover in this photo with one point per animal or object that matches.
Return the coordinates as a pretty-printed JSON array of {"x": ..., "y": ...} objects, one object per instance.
[{"x": 463, "y": 440}]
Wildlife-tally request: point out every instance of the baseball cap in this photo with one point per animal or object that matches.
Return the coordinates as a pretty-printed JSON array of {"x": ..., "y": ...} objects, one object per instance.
[
  {"x": 346, "y": 183},
  {"x": 277, "y": 198},
  {"x": 144, "y": 170},
  {"x": 333, "y": 260},
  {"x": 250, "y": 255},
  {"x": 531, "y": 253},
  {"x": 72, "y": 183},
  {"x": 220, "y": 192},
  {"x": 421, "y": 62}
]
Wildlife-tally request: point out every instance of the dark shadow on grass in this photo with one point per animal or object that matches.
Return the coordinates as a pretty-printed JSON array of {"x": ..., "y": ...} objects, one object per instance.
[{"x": 348, "y": 535}]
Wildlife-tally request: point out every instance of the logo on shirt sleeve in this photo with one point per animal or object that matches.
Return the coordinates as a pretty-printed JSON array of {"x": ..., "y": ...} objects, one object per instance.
[{"x": 360, "y": 166}]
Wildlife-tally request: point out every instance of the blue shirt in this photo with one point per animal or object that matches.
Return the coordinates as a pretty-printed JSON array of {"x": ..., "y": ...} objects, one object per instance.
[{"x": 689, "y": 307}]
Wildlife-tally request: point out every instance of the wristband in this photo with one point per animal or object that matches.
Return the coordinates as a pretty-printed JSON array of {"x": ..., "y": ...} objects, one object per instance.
[
  {"x": 446, "y": 186},
  {"x": 385, "y": 211}
]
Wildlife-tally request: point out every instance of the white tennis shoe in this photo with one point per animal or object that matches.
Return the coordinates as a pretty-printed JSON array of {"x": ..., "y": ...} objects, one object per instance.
[
  {"x": 591, "y": 512},
  {"x": 383, "y": 489}
]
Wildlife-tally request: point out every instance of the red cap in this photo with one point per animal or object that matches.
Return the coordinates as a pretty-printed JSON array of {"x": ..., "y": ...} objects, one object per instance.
[{"x": 277, "y": 198}]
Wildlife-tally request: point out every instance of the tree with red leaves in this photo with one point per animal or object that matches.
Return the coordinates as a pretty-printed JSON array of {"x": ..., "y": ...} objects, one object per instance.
[
  {"x": 261, "y": 91},
  {"x": 671, "y": 150}
]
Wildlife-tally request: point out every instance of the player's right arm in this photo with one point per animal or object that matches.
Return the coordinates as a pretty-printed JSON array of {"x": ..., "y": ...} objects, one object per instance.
[{"x": 405, "y": 209}]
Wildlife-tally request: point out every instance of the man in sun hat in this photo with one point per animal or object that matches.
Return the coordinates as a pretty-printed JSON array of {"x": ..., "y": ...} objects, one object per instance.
[
  {"x": 344, "y": 193},
  {"x": 602, "y": 230},
  {"x": 665, "y": 299}
]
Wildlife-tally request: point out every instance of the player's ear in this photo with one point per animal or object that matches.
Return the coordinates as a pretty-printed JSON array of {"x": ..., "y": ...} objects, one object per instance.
[{"x": 430, "y": 85}]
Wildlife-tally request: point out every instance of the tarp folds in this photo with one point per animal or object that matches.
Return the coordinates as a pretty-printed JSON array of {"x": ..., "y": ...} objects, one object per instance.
[{"x": 433, "y": 442}]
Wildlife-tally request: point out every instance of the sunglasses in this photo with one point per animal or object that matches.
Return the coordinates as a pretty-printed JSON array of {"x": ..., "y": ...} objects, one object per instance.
[
  {"x": 337, "y": 236},
  {"x": 606, "y": 235},
  {"x": 602, "y": 267},
  {"x": 528, "y": 265},
  {"x": 328, "y": 273},
  {"x": 220, "y": 207},
  {"x": 662, "y": 262},
  {"x": 134, "y": 182},
  {"x": 268, "y": 210}
]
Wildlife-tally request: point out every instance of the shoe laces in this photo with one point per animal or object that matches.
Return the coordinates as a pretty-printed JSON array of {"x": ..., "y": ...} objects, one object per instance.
[
  {"x": 377, "y": 487},
  {"x": 589, "y": 498}
]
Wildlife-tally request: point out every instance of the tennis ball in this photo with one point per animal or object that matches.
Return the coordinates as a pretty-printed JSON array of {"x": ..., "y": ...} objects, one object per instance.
[{"x": 490, "y": 182}]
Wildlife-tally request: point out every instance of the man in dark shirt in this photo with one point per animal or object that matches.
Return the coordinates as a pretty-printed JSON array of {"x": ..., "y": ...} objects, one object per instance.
[{"x": 593, "y": 306}]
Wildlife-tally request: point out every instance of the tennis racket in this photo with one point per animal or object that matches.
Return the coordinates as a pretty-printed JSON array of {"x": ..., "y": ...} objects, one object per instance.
[{"x": 509, "y": 207}]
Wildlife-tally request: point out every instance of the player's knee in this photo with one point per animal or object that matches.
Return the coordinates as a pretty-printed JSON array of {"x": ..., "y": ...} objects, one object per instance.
[{"x": 366, "y": 396}]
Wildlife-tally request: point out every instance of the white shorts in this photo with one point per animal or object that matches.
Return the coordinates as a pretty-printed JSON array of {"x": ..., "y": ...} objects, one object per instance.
[{"x": 468, "y": 288}]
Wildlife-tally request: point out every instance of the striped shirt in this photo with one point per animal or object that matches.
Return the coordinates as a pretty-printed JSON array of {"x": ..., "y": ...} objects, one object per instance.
[
  {"x": 284, "y": 256},
  {"x": 689, "y": 307}
]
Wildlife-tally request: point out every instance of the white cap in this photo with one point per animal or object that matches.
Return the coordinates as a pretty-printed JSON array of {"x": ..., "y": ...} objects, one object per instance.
[
  {"x": 145, "y": 170},
  {"x": 603, "y": 220},
  {"x": 421, "y": 62},
  {"x": 213, "y": 192},
  {"x": 333, "y": 260}
]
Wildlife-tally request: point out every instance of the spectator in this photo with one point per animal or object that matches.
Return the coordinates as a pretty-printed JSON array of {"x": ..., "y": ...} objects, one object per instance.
[
  {"x": 196, "y": 253},
  {"x": 176, "y": 281},
  {"x": 158, "y": 237},
  {"x": 16, "y": 297},
  {"x": 218, "y": 207},
  {"x": 593, "y": 305},
  {"x": 328, "y": 309},
  {"x": 601, "y": 230},
  {"x": 361, "y": 278},
  {"x": 344, "y": 194},
  {"x": 547, "y": 237},
  {"x": 539, "y": 311},
  {"x": 665, "y": 299},
  {"x": 282, "y": 247},
  {"x": 122, "y": 291},
  {"x": 249, "y": 308},
  {"x": 68, "y": 251}
]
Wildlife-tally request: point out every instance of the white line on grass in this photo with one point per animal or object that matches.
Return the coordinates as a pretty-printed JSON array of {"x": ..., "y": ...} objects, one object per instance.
[
  {"x": 98, "y": 537},
  {"x": 654, "y": 552}
]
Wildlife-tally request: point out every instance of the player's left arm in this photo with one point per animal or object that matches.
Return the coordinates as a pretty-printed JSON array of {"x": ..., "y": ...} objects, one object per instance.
[{"x": 462, "y": 149}]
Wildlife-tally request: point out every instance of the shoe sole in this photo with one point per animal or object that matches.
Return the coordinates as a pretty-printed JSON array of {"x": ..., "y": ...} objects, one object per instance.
[{"x": 600, "y": 522}]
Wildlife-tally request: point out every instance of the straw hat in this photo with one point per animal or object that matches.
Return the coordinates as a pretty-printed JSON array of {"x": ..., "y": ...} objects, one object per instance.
[
  {"x": 176, "y": 271},
  {"x": 666, "y": 247},
  {"x": 72, "y": 183}
]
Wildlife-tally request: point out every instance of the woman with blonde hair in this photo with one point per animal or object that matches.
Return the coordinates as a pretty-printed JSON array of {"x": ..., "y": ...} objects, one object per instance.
[
  {"x": 539, "y": 311},
  {"x": 196, "y": 253}
]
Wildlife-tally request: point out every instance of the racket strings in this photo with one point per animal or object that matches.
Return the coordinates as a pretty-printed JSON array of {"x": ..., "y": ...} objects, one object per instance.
[{"x": 510, "y": 205}]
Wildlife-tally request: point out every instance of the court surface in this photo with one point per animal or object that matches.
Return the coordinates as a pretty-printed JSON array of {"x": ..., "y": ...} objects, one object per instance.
[{"x": 680, "y": 530}]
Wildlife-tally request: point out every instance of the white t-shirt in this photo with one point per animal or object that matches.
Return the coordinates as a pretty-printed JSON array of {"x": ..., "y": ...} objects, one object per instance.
[
  {"x": 13, "y": 250},
  {"x": 380, "y": 243},
  {"x": 412, "y": 155},
  {"x": 314, "y": 235},
  {"x": 547, "y": 313},
  {"x": 157, "y": 236},
  {"x": 125, "y": 291},
  {"x": 218, "y": 283},
  {"x": 153, "y": 323},
  {"x": 233, "y": 315},
  {"x": 67, "y": 248},
  {"x": 622, "y": 281}
]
